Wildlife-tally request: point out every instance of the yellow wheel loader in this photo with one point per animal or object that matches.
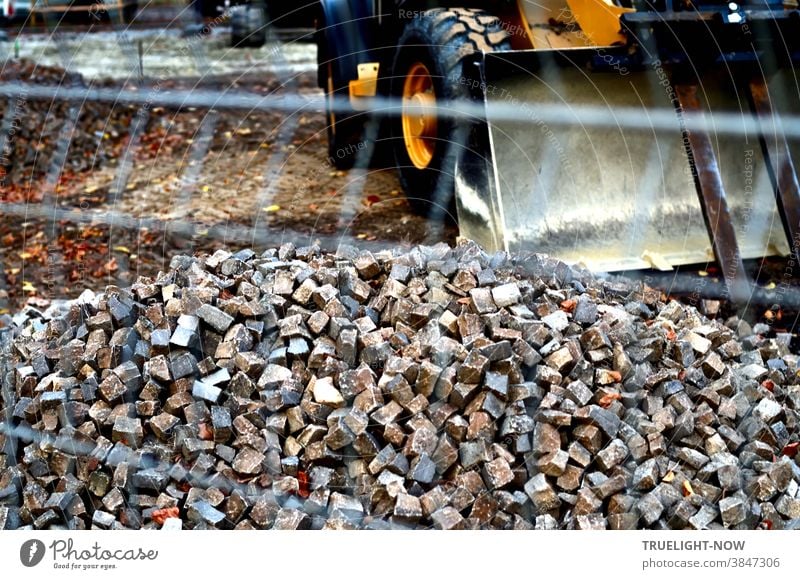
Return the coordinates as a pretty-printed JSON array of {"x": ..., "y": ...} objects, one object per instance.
[{"x": 619, "y": 134}]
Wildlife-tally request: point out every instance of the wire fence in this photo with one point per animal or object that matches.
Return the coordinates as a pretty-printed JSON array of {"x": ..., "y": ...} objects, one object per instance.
[{"x": 290, "y": 102}]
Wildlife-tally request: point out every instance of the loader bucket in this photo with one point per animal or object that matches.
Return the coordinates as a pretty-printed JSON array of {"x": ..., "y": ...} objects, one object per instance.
[{"x": 560, "y": 168}]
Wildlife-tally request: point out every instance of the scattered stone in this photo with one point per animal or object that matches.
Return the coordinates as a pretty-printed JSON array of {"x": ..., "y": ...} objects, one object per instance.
[{"x": 439, "y": 388}]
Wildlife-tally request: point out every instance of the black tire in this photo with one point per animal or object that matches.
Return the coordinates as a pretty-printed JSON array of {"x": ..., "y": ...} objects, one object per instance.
[
  {"x": 129, "y": 11},
  {"x": 345, "y": 126},
  {"x": 211, "y": 8},
  {"x": 445, "y": 41}
]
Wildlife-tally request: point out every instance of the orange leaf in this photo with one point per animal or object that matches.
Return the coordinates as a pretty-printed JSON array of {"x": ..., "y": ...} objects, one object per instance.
[
  {"x": 609, "y": 398},
  {"x": 687, "y": 488},
  {"x": 671, "y": 335},
  {"x": 205, "y": 432},
  {"x": 769, "y": 385},
  {"x": 568, "y": 305},
  {"x": 162, "y": 515}
]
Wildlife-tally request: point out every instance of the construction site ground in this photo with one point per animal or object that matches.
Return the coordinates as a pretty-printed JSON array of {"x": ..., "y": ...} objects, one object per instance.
[{"x": 192, "y": 181}]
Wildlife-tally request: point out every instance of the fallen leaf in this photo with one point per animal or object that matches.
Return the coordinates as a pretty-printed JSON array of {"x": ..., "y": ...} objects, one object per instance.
[
  {"x": 609, "y": 398},
  {"x": 569, "y": 305},
  {"x": 372, "y": 200},
  {"x": 669, "y": 477},
  {"x": 272, "y": 208},
  {"x": 121, "y": 248},
  {"x": 303, "y": 488},
  {"x": 161, "y": 515},
  {"x": 687, "y": 488},
  {"x": 671, "y": 335},
  {"x": 791, "y": 449},
  {"x": 205, "y": 432}
]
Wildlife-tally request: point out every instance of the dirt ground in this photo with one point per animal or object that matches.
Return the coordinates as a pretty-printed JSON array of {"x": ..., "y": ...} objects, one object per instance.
[{"x": 95, "y": 205}]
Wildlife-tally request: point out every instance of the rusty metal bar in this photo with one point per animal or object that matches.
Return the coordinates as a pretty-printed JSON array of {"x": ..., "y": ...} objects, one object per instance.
[
  {"x": 711, "y": 193},
  {"x": 780, "y": 164}
]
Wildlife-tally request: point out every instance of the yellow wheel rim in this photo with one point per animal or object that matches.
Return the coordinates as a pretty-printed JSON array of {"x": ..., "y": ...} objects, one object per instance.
[{"x": 419, "y": 115}]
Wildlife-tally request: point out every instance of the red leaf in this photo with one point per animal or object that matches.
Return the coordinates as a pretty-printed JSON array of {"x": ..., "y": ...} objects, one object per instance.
[
  {"x": 302, "y": 479},
  {"x": 791, "y": 449}
]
